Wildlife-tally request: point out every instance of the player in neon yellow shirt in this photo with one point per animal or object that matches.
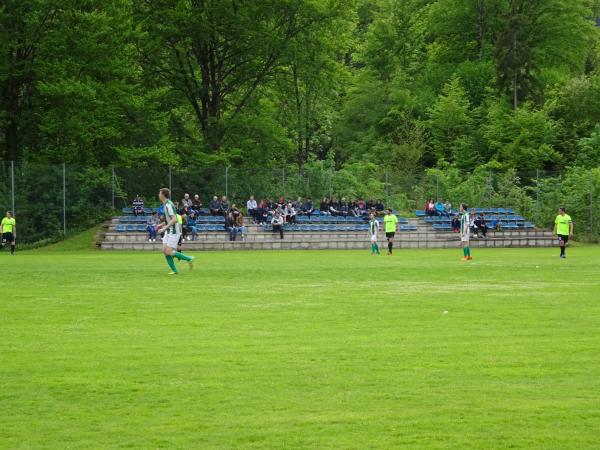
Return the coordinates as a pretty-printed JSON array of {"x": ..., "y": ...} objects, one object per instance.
[
  {"x": 9, "y": 232},
  {"x": 563, "y": 228},
  {"x": 390, "y": 224}
]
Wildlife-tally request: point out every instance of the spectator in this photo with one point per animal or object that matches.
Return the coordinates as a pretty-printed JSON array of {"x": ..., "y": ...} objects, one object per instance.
[
  {"x": 448, "y": 208},
  {"x": 344, "y": 208},
  {"x": 353, "y": 209},
  {"x": 472, "y": 222},
  {"x": 196, "y": 204},
  {"x": 439, "y": 209},
  {"x": 290, "y": 213},
  {"x": 262, "y": 213},
  {"x": 223, "y": 206},
  {"x": 333, "y": 208},
  {"x": 379, "y": 207},
  {"x": 230, "y": 224},
  {"x": 176, "y": 205},
  {"x": 298, "y": 205},
  {"x": 151, "y": 225},
  {"x": 362, "y": 207},
  {"x": 429, "y": 208},
  {"x": 308, "y": 207},
  {"x": 251, "y": 207},
  {"x": 241, "y": 228},
  {"x": 192, "y": 225},
  {"x": 185, "y": 230},
  {"x": 138, "y": 206},
  {"x": 277, "y": 223},
  {"x": 481, "y": 226},
  {"x": 324, "y": 206},
  {"x": 281, "y": 202},
  {"x": 456, "y": 224},
  {"x": 186, "y": 202},
  {"x": 214, "y": 206}
]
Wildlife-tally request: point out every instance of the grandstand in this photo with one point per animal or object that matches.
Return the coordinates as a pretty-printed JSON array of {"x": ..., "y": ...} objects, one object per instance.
[{"x": 127, "y": 232}]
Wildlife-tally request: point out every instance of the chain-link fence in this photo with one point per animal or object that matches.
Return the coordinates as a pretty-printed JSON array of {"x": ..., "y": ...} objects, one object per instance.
[{"x": 51, "y": 201}]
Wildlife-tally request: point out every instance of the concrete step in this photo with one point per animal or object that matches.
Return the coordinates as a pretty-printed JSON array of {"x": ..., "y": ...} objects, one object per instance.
[{"x": 321, "y": 244}]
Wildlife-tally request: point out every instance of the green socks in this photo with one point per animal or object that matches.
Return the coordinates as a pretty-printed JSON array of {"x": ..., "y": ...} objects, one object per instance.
[
  {"x": 171, "y": 263},
  {"x": 466, "y": 251},
  {"x": 376, "y": 248},
  {"x": 180, "y": 256}
]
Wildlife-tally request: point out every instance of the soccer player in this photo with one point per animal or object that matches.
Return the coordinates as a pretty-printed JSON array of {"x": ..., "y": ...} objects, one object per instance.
[
  {"x": 373, "y": 228},
  {"x": 391, "y": 226},
  {"x": 172, "y": 230},
  {"x": 563, "y": 228},
  {"x": 9, "y": 232},
  {"x": 465, "y": 231}
]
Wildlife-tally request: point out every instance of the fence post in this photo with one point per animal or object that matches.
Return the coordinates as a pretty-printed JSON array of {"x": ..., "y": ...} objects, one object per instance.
[
  {"x": 283, "y": 182},
  {"x": 227, "y": 181},
  {"x": 64, "y": 199},
  {"x": 112, "y": 182},
  {"x": 387, "y": 195},
  {"x": 330, "y": 183},
  {"x": 591, "y": 204},
  {"x": 537, "y": 197},
  {"x": 437, "y": 186},
  {"x": 170, "y": 180},
  {"x": 12, "y": 185}
]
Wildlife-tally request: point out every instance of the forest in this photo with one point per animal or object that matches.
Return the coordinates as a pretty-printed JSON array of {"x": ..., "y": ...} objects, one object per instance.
[{"x": 453, "y": 88}]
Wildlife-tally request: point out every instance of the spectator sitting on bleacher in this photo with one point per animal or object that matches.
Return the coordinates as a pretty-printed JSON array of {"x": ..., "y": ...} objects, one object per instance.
[
  {"x": 324, "y": 206},
  {"x": 362, "y": 206},
  {"x": 251, "y": 207},
  {"x": 186, "y": 202},
  {"x": 151, "y": 225},
  {"x": 281, "y": 202},
  {"x": 290, "y": 213},
  {"x": 429, "y": 208},
  {"x": 138, "y": 206},
  {"x": 448, "y": 208},
  {"x": 224, "y": 205},
  {"x": 353, "y": 209},
  {"x": 379, "y": 208},
  {"x": 472, "y": 222},
  {"x": 333, "y": 207},
  {"x": 196, "y": 204},
  {"x": 440, "y": 210},
  {"x": 456, "y": 224},
  {"x": 344, "y": 209},
  {"x": 307, "y": 208},
  {"x": 481, "y": 226},
  {"x": 262, "y": 212},
  {"x": 239, "y": 221},
  {"x": 230, "y": 224},
  {"x": 277, "y": 222},
  {"x": 192, "y": 225},
  {"x": 215, "y": 206},
  {"x": 298, "y": 204}
]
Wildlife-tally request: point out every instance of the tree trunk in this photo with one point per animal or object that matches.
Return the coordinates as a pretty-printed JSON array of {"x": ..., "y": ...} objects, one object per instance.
[{"x": 481, "y": 22}]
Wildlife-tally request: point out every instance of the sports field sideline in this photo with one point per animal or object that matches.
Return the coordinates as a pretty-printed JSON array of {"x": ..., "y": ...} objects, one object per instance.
[{"x": 280, "y": 350}]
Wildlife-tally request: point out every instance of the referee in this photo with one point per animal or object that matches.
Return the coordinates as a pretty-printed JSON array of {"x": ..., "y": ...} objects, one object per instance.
[
  {"x": 563, "y": 228},
  {"x": 9, "y": 232}
]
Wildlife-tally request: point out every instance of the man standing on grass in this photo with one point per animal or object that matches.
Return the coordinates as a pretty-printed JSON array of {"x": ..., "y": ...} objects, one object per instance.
[
  {"x": 172, "y": 229},
  {"x": 373, "y": 229},
  {"x": 563, "y": 228},
  {"x": 9, "y": 232},
  {"x": 465, "y": 231},
  {"x": 391, "y": 226}
]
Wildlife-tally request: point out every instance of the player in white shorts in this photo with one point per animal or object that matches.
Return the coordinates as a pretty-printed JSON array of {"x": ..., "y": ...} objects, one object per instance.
[
  {"x": 465, "y": 232},
  {"x": 172, "y": 232},
  {"x": 373, "y": 228}
]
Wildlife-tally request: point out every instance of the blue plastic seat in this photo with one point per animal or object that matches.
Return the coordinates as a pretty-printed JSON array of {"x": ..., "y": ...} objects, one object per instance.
[{"x": 127, "y": 210}]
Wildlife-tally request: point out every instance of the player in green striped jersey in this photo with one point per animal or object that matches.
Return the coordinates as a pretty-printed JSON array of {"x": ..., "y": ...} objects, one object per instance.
[
  {"x": 172, "y": 232},
  {"x": 465, "y": 232},
  {"x": 373, "y": 229}
]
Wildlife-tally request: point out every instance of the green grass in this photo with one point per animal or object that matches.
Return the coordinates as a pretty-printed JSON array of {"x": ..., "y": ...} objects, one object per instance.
[{"x": 311, "y": 350}]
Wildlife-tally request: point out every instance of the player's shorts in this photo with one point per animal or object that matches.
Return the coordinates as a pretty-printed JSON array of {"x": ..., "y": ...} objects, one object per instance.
[
  {"x": 374, "y": 238},
  {"x": 171, "y": 240},
  {"x": 390, "y": 235},
  {"x": 8, "y": 237},
  {"x": 465, "y": 238},
  {"x": 564, "y": 238}
]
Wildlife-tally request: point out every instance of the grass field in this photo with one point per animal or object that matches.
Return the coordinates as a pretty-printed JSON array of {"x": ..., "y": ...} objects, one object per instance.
[{"x": 285, "y": 350}]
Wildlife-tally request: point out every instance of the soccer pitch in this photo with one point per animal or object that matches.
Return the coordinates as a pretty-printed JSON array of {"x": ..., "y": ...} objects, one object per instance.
[{"x": 282, "y": 350}]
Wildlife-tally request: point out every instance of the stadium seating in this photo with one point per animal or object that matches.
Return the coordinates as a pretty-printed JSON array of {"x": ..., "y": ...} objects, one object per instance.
[{"x": 504, "y": 217}]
